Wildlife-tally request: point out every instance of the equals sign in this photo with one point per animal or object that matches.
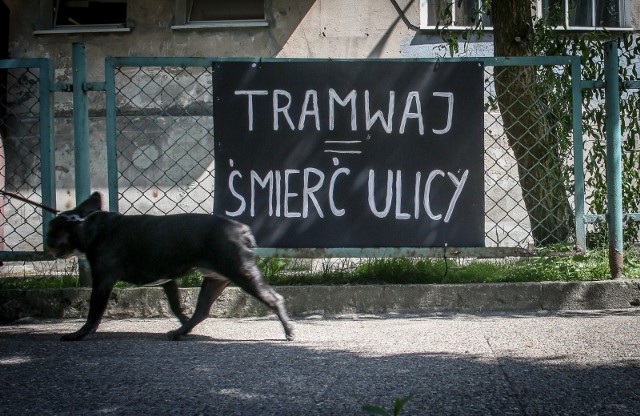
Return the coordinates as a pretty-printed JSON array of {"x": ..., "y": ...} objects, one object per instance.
[{"x": 343, "y": 149}]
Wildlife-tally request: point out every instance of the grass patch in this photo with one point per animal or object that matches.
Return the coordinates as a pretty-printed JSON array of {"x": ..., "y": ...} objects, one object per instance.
[
  {"x": 38, "y": 282},
  {"x": 582, "y": 267},
  {"x": 592, "y": 265},
  {"x": 66, "y": 281}
]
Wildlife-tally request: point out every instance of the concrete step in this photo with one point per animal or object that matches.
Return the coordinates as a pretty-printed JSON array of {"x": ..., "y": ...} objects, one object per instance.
[{"x": 150, "y": 302}]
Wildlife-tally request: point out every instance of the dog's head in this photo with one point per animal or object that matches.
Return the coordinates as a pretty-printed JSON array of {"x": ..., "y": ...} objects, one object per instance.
[{"x": 63, "y": 237}]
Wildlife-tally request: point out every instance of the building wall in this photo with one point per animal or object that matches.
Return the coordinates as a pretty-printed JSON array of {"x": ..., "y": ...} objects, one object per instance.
[{"x": 297, "y": 29}]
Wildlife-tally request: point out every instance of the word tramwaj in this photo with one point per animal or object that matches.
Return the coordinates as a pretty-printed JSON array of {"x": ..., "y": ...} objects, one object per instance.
[{"x": 282, "y": 101}]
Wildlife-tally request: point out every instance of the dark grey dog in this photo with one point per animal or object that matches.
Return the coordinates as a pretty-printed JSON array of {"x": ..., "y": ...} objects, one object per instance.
[{"x": 144, "y": 249}]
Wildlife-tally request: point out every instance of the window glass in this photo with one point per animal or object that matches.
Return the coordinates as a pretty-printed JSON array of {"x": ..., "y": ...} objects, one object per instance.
[
  {"x": 212, "y": 10},
  {"x": 486, "y": 18},
  {"x": 462, "y": 13},
  {"x": 607, "y": 13},
  {"x": 466, "y": 12},
  {"x": 584, "y": 13},
  {"x": 553, "y": 11},
  {"x": 89, "y": 12},
  {"x": 580, "y": 13},
  {"x": 435, "y": 7},
  {"x": 560, "y": 13}
]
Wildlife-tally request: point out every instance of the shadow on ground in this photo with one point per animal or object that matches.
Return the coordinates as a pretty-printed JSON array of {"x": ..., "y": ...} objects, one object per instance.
[{"x": 142, "y": 373}]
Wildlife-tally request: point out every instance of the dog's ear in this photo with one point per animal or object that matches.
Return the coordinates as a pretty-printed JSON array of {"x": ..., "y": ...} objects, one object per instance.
[{"x": 91, "y": 204}]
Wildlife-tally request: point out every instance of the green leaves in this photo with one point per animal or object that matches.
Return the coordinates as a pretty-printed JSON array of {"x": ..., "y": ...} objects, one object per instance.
[
  {"x": 398, "y": 404},
  {"x": 556, "y": 82}
]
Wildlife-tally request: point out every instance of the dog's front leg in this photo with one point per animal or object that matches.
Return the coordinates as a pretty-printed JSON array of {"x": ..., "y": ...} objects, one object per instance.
[{"x": 97, "y": 305}]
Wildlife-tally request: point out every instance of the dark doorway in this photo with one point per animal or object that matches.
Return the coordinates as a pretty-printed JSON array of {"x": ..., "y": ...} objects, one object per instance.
[
  {"x": 4, "y": 31},
  {"x": 4, "y": 54}
]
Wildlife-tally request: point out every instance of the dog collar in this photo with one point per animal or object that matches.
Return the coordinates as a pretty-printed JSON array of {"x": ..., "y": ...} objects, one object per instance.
[
  {"x": 71, "y": 217},
  {"x": 75, "y": 217}
]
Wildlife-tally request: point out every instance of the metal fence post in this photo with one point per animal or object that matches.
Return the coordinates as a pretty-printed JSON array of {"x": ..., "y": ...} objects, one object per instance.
[
  {"x": 112, "y": 152},
  {"x": 614, "y": 159},
  {"x": 578, "y": 152},
  {"x": 47, "y": 144},
  {"x": 81, "y": 139}
]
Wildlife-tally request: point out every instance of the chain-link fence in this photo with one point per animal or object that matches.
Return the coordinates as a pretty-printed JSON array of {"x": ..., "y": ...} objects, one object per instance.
[
  {"x": 23, "y": 173},
  {"x": 594, "y": 126},
  {"x": 20, "y": 173},
  {"x": 164, "y": 148},
  {"x": 165, "y": 140},
  {"x": 529, "y": 157},
  {"x": 166, "y": 162}
]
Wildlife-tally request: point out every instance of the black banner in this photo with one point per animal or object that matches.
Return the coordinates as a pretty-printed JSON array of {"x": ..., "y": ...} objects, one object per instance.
[{"x": 351, "y": 153}]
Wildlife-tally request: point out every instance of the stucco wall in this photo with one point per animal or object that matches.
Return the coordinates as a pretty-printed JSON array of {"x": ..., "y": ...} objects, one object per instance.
[{"x": 297, "y": 28}]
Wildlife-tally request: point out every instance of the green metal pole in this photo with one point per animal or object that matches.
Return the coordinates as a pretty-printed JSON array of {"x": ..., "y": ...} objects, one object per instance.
[
  {"x": 47, "y": 144},
  {"x": 81, "y": 139},
  {"x": 112, "y": 158},
  {"x": 80, "y": 123},
  {"x": 578, "y": 152},
  {"x": 614, "y": 159}
]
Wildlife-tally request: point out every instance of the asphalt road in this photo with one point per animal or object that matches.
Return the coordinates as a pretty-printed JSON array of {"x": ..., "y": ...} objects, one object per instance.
[{"x": 567, "y": 363}]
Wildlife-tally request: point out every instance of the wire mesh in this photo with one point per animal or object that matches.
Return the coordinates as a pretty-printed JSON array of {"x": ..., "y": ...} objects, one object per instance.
[
  {"x": 21, "y": 228},
  {"x": 20, "y": 173},
  {"x": 595, "y": 151},
  {"x": 165, "y": 142},
  {"x": 630, "y": 131},
  {"x": 166, "y": 162},
  {"x": 166, "y": 159},
  {"x": 528, "y": 157}
]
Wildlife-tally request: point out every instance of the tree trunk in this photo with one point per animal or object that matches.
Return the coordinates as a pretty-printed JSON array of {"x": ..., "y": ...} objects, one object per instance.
[{"x": 526, "y": 120}]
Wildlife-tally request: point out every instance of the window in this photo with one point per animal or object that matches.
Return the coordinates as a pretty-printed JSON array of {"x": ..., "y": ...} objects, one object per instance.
[
  {"x": 78, "y": 13},
  {"x": 569, "y": 14},
  {"x": 72, "y": 16},
  {"x": 459, "y": 14},
  {"x": 195, "y": 14},
  {"x": 576, "y": 14}
]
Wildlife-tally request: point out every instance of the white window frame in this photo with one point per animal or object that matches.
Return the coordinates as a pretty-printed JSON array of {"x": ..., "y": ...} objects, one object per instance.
[
  {"x": 182, "y": 19},
  {"x": 47, "y": 23},
  {"x": 624, "y": 5}
]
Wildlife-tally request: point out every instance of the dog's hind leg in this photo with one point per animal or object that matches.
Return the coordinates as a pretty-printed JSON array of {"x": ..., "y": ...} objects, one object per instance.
[
  {"x": 267, "y": 295},
  {"x": 173, "y": 295},
  {"x": 212, "y": 287},
  {"x": 252, "y": 282}
]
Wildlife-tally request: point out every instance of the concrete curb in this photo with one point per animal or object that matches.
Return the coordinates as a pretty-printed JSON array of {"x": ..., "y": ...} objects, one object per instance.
[{"x": 330, "y": 300}]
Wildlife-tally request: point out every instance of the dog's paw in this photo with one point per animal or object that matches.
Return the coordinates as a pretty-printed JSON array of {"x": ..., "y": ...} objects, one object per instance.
[{"x": 291, "y": 336}]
